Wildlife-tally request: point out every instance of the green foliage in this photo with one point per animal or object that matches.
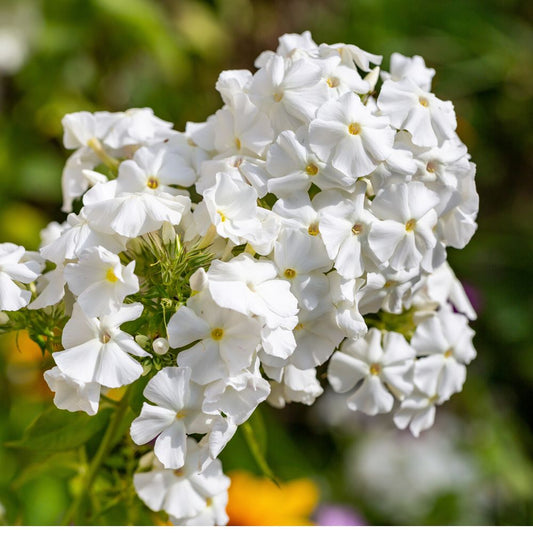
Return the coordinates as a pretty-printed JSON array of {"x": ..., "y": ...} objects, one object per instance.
[{"x": 57, "y": 430}]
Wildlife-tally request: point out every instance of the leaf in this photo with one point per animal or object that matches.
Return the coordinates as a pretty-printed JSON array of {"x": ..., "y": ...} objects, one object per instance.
[
  {"x": 57, "y": 430},
  {"x": 65, "y": 464}
]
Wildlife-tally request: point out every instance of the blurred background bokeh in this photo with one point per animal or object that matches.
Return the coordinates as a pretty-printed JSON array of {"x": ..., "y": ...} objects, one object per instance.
[{"x": 476, "y": 465}]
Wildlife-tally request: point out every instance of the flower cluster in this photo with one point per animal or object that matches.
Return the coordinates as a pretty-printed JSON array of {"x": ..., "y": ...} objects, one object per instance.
[{"x": 304, "y": 223}]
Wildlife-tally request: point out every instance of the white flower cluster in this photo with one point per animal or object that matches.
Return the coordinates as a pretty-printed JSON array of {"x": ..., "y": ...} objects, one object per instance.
[{"x": 324, "y": 207}]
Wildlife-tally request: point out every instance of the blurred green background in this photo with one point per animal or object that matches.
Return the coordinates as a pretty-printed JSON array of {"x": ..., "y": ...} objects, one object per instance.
[{"x": 60, "y": 56}]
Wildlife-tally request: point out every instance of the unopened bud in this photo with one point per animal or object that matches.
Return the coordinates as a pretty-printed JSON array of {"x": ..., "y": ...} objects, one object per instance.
[
  {"x": 142, "y": 340},
  {"x": 168, "y": 233},
  {"x": 372, "y": 78},
  {"x": 160, "y": 346}
]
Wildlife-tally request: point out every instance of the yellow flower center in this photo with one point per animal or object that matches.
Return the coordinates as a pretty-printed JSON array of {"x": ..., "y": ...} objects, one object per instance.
[
  {"x": 299, "y": 326},
  {"x": 423, "y": 101},
  {"x": 179, "y": 472},
  {"x": 313, "y": 229},
  {"x": 375, "y": 369},
  {"x": 111, "y": 276},
  {"x": 238, "y": 143},
  {"x": 354, "y": 128},
  {"x": 289, "y": 273},
  {"x": 448, "y": 352},
  {"x": 311, "y": 169},
  {"x": 357, "y": 229},
  {"x": 410, "y": 225},
  {"x": 430, "y": 167},
  {"x": 333, "y": 82},
  {"x": 180, "y": 415},
  {"x": 217, "y": 334},
  {"x": 105, "y": 337},
  {"x": 222, "y": 216},
  {"x": 152, "y": 183},
  {"x": 278, "y": 97}
]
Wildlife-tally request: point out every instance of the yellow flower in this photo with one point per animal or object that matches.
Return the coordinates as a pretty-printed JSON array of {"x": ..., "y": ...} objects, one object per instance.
[{"x": 257, "y": 501}]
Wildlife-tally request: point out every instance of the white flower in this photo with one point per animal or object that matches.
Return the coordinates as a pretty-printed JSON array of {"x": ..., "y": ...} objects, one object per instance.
[
  {"x": 344, "y": 227},
  {"x": 404, "y": 233},
  {"x": 251, "y": 287},
  {"x": 177, "y": 413},
  {"x": 237, "y": 396},
  {"x": 130, "y": 206},
  {"x": 350, "y": 54},
  {"x": 74, "y": 182},
  {"x": 137, "y": 126},
  {"x": 297, "y": 385},
  {"x": 381, "y": 363},
  {"x": 417, "y": 411},
  {"x": 186, "y": 492},
  {"x": 430, "y": 121},
  {"x": 97, "y": 350},
  {"x": 72, "y": 394},
  {"x": 301, "y": 259},
  {"x": 410, "y": 67},
  {"x": 81, "y": 128},
  {"x": 294, "y": 168},
  {"x": 100, "y": 281},
  {"x": 340, "y": 78},
  {"x": 288, "y": 92},
  {"x": 76, "y": 236},
  {"x": 14, "y": 269},
  {"x": 242, "y": 128},
  {"x": 446, "y": 341},
  {"x": 227, "y": 340},
  {"x": 346, "y": 133},
  {"x": 214, "y": 513}
]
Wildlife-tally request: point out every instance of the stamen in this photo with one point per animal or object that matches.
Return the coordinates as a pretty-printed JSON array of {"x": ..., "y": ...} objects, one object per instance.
[{"x": 354, "y": 128}]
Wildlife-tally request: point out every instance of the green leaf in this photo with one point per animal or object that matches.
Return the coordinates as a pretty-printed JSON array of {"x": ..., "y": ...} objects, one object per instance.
[
  {"x": 65, "y": 464},
  {"x": 57, "y": 430}
]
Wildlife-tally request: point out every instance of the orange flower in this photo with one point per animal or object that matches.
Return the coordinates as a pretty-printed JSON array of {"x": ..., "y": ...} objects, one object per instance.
[{"x": 257, "y": 501}]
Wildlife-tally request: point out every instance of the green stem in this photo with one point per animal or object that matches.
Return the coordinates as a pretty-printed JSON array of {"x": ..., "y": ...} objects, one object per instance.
[
  {"x": 259, "y": 458},
  {"x": 101, "y": 454}
]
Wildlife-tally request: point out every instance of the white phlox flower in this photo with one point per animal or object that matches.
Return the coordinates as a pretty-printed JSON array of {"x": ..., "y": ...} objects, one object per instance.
[
  {"x": 15, "y": 270},
  {"x": 177, "y": 413},
  {"x": 294, "y": 167},
  {"x": 346, "y": 295},
  {"x": 345, "y": 226},
  {"x": 241, "y": 128},
  {"x": 252, "y": 288},
  {"x": 183, "y": 493},
  {"x": 417, "y": 411},
  {"x": 413, "y": 68},
  {"x": 232, "y": 83},
  {"x": 446, "y": 342},
  {"x": 430, "y": 121},
  {"x": 237, "y": 396},
  {"x": 226, "y": 339},
  {"x": 97, "y": 350},
  {"x": 380, "y": 363},
  {"x": 100, "y": 281},
  {"x": 350, "y": 55},
  {"x": 76, "y": 236},
  {"x": 137, "y": 126},
  {"x": 351, "y": 137},
  {"x": 288, "y": 92},
  {"x": 341, "y": 79},
  {"x": 300, "y": 386},
  {"x": 302, "y": 260},
  {"x": 135, "y": 203},
  {"x": 404, "y": 234},
  {"x": 72, "y": 394}
]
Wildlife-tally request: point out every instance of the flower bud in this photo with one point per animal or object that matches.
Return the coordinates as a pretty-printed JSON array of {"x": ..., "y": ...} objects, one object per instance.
[{"x": 160, "y": 346}]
